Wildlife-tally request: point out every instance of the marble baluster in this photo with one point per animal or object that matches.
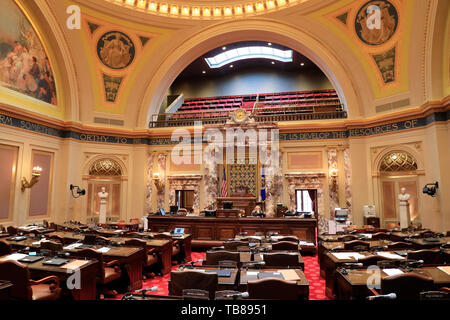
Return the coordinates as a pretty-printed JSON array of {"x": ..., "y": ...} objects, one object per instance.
[
  {"x": 162, "y": 175},
  {"x": 348, "y": 181},
  {"x": 334, "y": 195},
  {"x": 148, "y": 195}
]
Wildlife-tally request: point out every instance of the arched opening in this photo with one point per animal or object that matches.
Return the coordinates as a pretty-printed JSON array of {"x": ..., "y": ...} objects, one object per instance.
[
  {"x": 269, "y": 81},
  {"x": 252, "y": 30},
  {"x": 397, "y": 170},
  {"x": 104, "y": 173}
]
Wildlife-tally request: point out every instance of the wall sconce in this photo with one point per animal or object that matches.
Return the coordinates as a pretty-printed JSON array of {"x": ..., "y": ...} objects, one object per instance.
[
  {"x": 35, "y": 175},
  {"x": 158, "y": 182},
  {"x": 333, "y": 175}
]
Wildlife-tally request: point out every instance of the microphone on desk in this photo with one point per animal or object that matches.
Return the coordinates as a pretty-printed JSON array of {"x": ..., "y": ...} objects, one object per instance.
[
  {"x": 237, "y": 295},
  {"x": 152, "y": 289},
  {"x": 390, "y": 296},
  {"x": 255, "y": 264},
  {"x": 190, "y": 265}
]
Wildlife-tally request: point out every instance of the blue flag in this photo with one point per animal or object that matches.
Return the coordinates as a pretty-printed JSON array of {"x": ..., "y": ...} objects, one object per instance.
[{"x": 263, "y": 185}]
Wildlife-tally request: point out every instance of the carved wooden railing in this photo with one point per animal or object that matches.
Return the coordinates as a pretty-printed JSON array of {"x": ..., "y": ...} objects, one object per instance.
[{"x": 264, "y": 113}]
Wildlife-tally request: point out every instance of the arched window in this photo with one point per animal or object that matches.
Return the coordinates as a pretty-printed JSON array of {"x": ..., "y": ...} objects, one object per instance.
[
  {"x": 105, "y": 167},
  {"x": 397, "y": 161}
]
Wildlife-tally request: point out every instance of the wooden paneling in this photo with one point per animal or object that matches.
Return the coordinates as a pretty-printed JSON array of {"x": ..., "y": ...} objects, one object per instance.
[
  {"x": 40, "y": 195},
  {"x": 389, "y": 200},
  {"x": 207, "y": 228},
  {"x": 8, "y": 159}
]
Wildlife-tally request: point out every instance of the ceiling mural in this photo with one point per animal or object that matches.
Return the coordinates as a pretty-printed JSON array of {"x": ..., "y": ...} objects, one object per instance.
[
  {"x": 376, "y": 22},
  {"x": 24, "y": 65},
  {"x": 117, "y": 50},
  {"x": 376, "y": 31}
]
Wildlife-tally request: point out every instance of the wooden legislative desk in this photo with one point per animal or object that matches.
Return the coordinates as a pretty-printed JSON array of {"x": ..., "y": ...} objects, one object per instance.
[
  {"x": 353, "y": 285},
  {"x": 212, "y": 228},
  {"x": 246, "y": 203}
]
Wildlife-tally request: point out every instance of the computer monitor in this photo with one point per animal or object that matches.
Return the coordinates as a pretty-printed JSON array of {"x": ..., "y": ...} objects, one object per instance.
[
  {"x": 173, "y": 209},
  {"x": 89, "y": 239},
  {"x": 178, "y": 231},
  {"x": 161, "y": 210},
  {"x": 228, "y": 204},
  {"x": 210, "y": 213}
]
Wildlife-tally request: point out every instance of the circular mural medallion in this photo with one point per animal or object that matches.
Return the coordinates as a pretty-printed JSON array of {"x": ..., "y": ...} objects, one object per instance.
[
  {"x": 376, "y": 22},
  {"x": 116, "y": 50}
]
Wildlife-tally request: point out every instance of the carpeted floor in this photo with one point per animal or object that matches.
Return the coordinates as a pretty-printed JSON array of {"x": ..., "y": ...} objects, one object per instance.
[{"x": 312, "y": 272}]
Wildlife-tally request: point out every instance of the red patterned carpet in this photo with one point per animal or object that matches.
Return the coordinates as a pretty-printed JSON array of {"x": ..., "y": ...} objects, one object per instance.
[{"x": 312, "y": 272}]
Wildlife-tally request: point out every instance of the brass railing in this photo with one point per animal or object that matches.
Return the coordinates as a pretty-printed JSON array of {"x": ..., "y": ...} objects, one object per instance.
[{"x": 297, "y": 112}]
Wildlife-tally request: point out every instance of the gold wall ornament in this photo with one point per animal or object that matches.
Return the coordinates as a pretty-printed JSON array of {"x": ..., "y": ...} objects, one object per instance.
[
  {"x": 35, "y": 175},
  {"x": 398, "y": 161},
  {"x": 105, "y": 167},
  {"x": 115, "y": 50}
]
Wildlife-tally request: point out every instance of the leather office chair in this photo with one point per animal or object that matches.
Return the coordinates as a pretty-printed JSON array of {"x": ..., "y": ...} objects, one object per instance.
[
  {"x": 103, "y": 241},
  {"x": 2, "y": 228},
  {"x": 176, "y": 246},
  {"x": 57, "y": 238},
  {"x": 194, "y": 294},
  {"x": 371, "y": 260},
  {"x": 350, "y": 245},
  {"x": 447, "y": 234},
  {"x": 180, "y": 280},
  {"x": 281, "y": 260},
  {"x": 45, "y": 224},
  {"x": 12, "y": 230},
  {"x": 429, "y": 256},
  {"x": 381, "y": 236},
  {"x": 150, "y": 255},
  {"x": 400, "y": 246},
  {"x": 234, "y": 244},
  {"x": 5, "y": 248},
  {"x": 289, "y": 239},
  {"x": 348, "y": 237},
  {"x": 214, "y": 257},
  {"x": 407, "y": 286},
  {"x": 24, "y": 288},
  {"x": 285, "y": 245},
  {"x": 273, "y": 289},
  {"x": 107, "y": 271}
]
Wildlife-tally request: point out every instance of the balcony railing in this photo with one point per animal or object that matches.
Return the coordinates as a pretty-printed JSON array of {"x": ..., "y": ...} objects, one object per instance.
[{"x": 261, "y": 113}]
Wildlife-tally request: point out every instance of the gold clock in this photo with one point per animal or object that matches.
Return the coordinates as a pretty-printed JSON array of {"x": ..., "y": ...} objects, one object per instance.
[{"x": 240, "y": 115}]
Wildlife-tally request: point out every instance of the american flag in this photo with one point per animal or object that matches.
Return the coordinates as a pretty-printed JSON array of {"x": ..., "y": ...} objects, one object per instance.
[{"x": 224, "y": 185}]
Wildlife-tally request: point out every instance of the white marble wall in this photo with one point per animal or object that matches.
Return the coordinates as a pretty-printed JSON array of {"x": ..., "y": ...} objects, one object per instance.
[{"x": 210, "y": 180}]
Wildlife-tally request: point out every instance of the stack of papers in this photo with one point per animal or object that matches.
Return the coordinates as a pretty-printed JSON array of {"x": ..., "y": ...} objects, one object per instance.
[
  {"x": 367, "y": 235},
  {"x": 289, "y": 275},
  {"x": 304, "y": 243},
  {"x": 348, "y": 255},
  {"x": 73, "y": 246},
  {"x": 392, "y": 272},
  {"x": 390, "y": 255},
  {"x": 103, "y": 250},
  {"x": 76, "y": 264},
  {"x": 446, "y": 269},
  {"x": 14, "y": 256}
]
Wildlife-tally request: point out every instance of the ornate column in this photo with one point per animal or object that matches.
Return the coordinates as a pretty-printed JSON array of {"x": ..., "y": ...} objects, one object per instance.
[
  {"x": 148, "y": 195},
  {"x": 333, "y": 182},
  {"x": 210, "y": 180},
  {"x": 273, "y": 182},
  {"x": 348, "y": 181},
  {"x": 162, "y": 157}
]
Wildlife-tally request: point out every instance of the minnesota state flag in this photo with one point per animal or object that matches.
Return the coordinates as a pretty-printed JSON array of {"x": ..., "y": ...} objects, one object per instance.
[{"x": 263, "y": 185}]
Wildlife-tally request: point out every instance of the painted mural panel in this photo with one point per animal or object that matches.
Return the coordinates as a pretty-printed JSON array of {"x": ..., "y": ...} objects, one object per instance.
[{"x": 24, "y": 65}]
